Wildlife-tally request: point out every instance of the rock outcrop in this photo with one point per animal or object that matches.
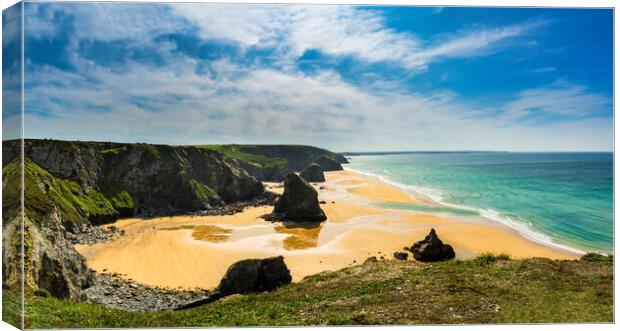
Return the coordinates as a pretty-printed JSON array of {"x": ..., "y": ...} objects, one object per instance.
[
  {"x": 248, "y": 276},
  {"x": 50, "y": 261},
  {"x": 274, "y": 162},
  {"x": 69, "y": 186},
  {"x": 313, "y": 173},
  {"x": 328, "y": 164},
  {"x": 298, "y": 203},
  {"x": 431, "y": 249}
]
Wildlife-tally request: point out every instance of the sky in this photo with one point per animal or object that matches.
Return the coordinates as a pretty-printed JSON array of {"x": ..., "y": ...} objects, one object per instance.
[{"x": 346, "y": 78}]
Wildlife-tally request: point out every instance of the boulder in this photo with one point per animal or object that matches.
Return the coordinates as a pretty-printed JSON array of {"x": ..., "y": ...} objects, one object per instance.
[
  {"x": 328, "y": 164},
  {"x": 255, "y": 275},
  {"x": 298, "y": 203},
  {"x": 313, "y": 173},
  {"x": 401, "y": 256},
  {"x": 248, "y": 276},
  {"x": 431, "y": 249}
]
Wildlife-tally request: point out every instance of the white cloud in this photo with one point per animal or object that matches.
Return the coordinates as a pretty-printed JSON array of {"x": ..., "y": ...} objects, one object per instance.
[
  {"x": 103, "y": 21},
  {"x": 339, "y": 30},
  {"x": 178, "y": 106},
  {"x": 474, "y": 42},
  {"x": 561, "y": 98},
  {"x": 175, "y": 105}
]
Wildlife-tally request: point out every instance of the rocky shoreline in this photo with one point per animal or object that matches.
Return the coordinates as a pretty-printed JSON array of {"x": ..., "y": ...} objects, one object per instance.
[
  {"x": 116, "y": 292},
  {"x": 89, "y": 234}
]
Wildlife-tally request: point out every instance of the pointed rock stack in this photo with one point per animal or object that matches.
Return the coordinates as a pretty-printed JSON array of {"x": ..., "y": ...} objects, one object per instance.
[{"x": 298, "y": 203}]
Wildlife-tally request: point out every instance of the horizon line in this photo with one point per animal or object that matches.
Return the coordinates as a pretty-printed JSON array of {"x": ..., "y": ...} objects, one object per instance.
[{"x": 350, "y": 153}]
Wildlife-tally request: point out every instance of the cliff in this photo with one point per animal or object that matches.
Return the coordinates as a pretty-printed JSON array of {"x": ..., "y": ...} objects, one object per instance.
[
  {"x": 274, "y": 162},
  {"x": 70, "y": 186}
]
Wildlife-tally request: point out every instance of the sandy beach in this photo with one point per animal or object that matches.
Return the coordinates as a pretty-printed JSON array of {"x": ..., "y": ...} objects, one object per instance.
[{"x": 195, "y": 251}]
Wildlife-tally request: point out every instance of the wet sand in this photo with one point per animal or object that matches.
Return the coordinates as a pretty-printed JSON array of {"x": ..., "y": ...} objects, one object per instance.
[{"x": 195, "y": 251}]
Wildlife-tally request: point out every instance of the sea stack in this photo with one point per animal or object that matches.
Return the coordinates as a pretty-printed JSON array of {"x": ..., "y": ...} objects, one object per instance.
[
  {"x": 313, "y": 173},
  {"x": 431, "y": 249},
  {"x": 298, "y": 203},
  {"x": 328, "y": 164}
]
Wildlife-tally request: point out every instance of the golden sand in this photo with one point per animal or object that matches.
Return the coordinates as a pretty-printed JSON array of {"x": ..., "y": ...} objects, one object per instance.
[{"x": 195, "y": 251}]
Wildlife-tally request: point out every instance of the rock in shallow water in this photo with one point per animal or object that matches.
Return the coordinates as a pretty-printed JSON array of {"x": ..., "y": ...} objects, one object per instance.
[
  {"x": 431, "y": 249},
  {"x": 313, "y": 173},
  {"x": 298, "y": 203}
]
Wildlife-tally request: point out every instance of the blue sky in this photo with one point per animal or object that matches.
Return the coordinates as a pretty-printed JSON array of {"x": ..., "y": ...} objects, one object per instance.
[{"x": 342, "y": 77}]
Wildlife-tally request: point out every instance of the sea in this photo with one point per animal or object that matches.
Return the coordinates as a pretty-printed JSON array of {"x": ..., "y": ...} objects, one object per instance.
[{"x": 560, "y": 199}]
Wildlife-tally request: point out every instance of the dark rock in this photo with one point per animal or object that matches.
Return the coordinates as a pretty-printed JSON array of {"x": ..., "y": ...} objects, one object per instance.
[
  {"x": 313, "y": 173},
  {"x": 371, "y": 259},
  {"x": 431, "y": 249},
  {"x": 51, "y": 263},
  {"x": 401, "y": 256},
  {"x": 248, "y": 276},
  {"x": 328, "y": 164},
  {"x": 298, "y": 203},
  {"x": 255, "y": 275}
]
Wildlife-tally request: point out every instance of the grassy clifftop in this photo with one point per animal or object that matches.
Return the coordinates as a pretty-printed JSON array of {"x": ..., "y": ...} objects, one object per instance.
[
  {"x": 485, "y": 290},
  {"x": 273, "y": 162}
]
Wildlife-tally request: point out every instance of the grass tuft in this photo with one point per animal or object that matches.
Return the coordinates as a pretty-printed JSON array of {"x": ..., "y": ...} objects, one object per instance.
[{"x": 488, "y": 258}]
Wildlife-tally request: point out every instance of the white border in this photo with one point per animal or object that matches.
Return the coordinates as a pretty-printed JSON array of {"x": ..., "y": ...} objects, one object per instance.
[{"x": 484, "y": 3}]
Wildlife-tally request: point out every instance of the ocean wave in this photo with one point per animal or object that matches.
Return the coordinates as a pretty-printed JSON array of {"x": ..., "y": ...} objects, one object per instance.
[{"x": 522, "y": 226}]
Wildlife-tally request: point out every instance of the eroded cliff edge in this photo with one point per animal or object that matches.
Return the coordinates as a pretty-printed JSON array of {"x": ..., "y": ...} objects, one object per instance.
[{"x": 70, "y": 186}]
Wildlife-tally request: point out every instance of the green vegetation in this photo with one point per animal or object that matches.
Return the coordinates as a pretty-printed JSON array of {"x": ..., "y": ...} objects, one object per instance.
[
  {"x": 595, "y": 257},
  {"x": 488, "y": 258},
  {"x": 384, "y": 292},
  {"x": 122, "y": 200},
  {"x": 41, "y": 293},
  {"x": 152, "y": 150},
  {"x": 203, "y": 191},
  {"x": 244, "y": 153},
  {"x": 114, "y": 151},
  {"x": 43, "y": 191}
]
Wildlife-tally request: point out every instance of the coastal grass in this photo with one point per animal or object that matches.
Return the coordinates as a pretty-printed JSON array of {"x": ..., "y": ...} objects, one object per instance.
[
  {"x": 244, "y": 153},
  {"x": 489, "y": 289},
  {"x": 43, "y": 190}
]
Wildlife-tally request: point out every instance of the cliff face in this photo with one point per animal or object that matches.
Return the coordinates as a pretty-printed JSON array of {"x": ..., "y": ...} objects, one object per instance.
[
  {"x": 274, "y": 162},
  {"x": 98, "y": 182},
  {"x": 68, "y": 186}
]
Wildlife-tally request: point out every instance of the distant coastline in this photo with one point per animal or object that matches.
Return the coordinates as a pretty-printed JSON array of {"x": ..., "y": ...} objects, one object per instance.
[{"x": 464, "y": 152}]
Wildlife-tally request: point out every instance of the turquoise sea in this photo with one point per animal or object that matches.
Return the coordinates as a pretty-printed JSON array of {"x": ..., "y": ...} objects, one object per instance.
[{"x": 565, "y": 199}]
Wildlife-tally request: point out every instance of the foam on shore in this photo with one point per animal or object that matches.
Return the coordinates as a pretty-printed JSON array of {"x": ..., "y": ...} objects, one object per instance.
[{"x": 522, "y": 226}]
